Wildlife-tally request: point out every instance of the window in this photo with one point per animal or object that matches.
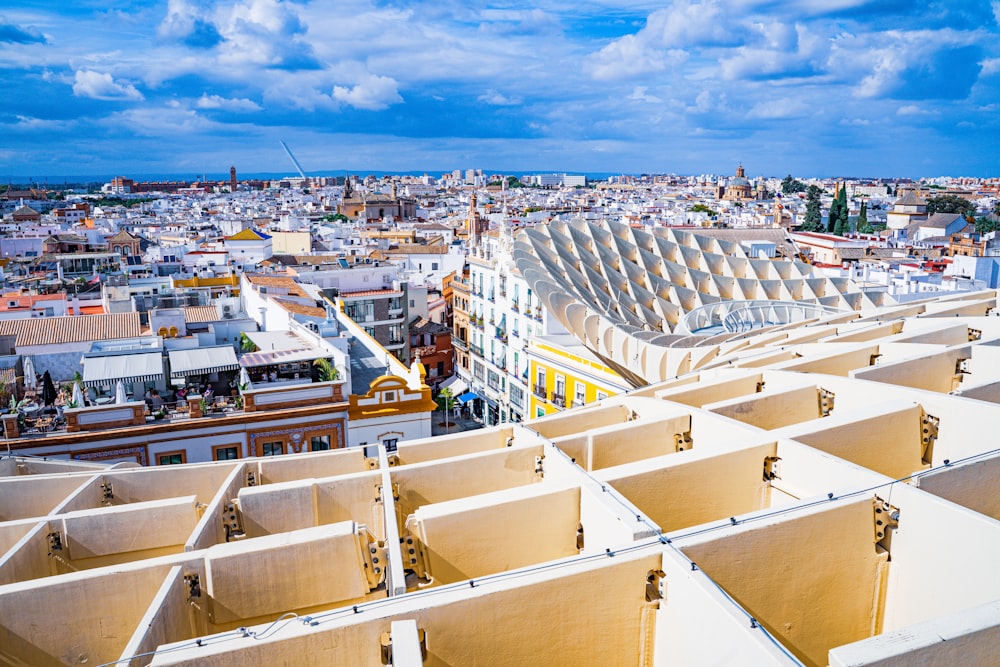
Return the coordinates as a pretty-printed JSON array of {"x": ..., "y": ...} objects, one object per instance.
[
  {"x": 226, "y": 452},
  {"x": 319, "y": 443},
  {"x": 171, "y": 458},
  {"x": 601, "y": 395},
  {"x": 579, "y": 393},
  {"x": 390, "y": 444},
  {"x": 276, "y": 448},
  {"x": 434, "y": 266}
]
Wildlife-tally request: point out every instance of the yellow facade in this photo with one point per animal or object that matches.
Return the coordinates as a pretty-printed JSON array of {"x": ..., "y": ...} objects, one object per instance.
[{"x": 570, "y": 376}]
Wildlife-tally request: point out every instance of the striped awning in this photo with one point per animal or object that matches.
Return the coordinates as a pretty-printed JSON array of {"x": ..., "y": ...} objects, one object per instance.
[
  {"x": 202, "y": 361},
  {"x": 107, "y": 370}
]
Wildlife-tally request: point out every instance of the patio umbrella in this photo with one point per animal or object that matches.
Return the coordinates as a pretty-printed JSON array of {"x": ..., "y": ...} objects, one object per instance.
[
  {"x": 48, "y": 390},
  {"x": 29, "y": 374},
  {"x": 120, "y": 396},
  {"x": 77, "y": 396},
  {"x": 244, "y": 378}
]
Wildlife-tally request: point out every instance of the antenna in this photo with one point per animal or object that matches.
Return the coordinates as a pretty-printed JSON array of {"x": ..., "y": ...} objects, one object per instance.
[{"x": 298, "y": 167}]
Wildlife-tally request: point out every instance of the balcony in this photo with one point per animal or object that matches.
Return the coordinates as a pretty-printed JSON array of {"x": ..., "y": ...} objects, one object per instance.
[
  {"x": 476, "y": 350},
  {"x": 559, "y": 400},
  {"x": 539, "y": 391},
  {"x": 491, "y": 298},
  {"x": 514, "y": 306},
  {"x": 460, "y": 344},
  {"x": 538, "y": 315},
  {"x": 501, "y": 336}
]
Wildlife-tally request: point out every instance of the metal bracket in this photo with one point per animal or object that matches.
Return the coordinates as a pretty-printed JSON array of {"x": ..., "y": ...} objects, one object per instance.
[
  {"x": 771, "y": 468},
  {"x": 55, "y": 542},
  {"x": 251, "y": 478},
  {"x": 929, "y": 425},
  {"x": 886, "y": 520},
  {"x": 232, "y": 521},
  {"x": 760, "y": 386},
  {"x": 372, "y": 463},
  {"x": 873, "y": 359},
  {"x": 683, "y": 441},
  {"x": 962, "y": 367},
  {"x": 193, "y": 582},
  {"x": 385, "y": 645},
  {"x": 656, "y": 585},
  {"x": 540, "y": 465},
  {"x": 393, "y": 460},
  {"x": 975, "y": 334},
  {"x": 413, "y": 555},
  {"x": 107, "y": 492},
  {"x": 579, "y": 537},
  {"x": 826, "y": 399},
  {"x": 376, "y": 559},
  {"x": 378, "y": 492}
]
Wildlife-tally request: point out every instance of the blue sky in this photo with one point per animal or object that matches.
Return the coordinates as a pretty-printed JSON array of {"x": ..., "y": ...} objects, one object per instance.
[{"x": 813, "y": 87}]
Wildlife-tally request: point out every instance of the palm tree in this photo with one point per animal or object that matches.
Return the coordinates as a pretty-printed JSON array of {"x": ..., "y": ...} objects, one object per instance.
[{"x": 327, "y": 371}]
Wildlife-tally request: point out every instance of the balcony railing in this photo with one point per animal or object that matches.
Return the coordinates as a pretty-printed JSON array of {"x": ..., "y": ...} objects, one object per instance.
[
  {"x": 459, "y": 343},
  {"x": 539, "y": 391},
  {"x": 476, "y": 350},
  {"x": 514, "y": 306},
  {"x": 559, "y": 399}
]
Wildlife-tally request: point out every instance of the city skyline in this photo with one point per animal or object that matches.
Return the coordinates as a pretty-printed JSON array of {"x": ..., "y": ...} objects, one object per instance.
[{"x": 814, "y": 89}]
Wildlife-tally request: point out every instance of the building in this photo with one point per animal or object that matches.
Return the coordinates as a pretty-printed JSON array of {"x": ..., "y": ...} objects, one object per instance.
[
  {"x": 565, "y": 374},
  {"x": 739, "y": 188},
  {"x": 430, "y": 343},
  {"x": 907, "y": 210}
]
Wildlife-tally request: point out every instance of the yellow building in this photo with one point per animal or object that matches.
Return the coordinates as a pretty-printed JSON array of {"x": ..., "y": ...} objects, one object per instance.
[{"x": 565, "y": 374}]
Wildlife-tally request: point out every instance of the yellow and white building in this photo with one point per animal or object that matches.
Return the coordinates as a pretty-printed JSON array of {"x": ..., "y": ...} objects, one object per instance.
[{"x": 565, "y": 374}]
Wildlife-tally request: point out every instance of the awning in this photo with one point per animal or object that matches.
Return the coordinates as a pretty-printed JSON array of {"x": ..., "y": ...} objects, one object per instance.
[
  {"x": 456, "y": 384},
  {"x": 202, "y": 361},
  {"x": 107, "y": 370},
  {"x": 271, "y": 357},
  {"x": 467, "y": 396}
]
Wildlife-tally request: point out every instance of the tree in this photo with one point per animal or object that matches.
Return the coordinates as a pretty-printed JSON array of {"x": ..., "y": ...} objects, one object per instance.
[
  {"x": 701, "y": 208},
  {"x": 446, "y": 400},
  {"x": 863, "y": 226},
  {"x": 950, "y": 204},
  {"x": 813, "y": 220},
  {"x": 327, "y": 371},
  {"x": 834, "y": 215},
  {"x": 984, "y": 225},
  {"x": 790, "y": 185}
]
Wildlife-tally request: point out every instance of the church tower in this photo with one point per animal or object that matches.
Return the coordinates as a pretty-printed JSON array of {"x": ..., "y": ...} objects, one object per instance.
[{"x": 232, "y": 179}]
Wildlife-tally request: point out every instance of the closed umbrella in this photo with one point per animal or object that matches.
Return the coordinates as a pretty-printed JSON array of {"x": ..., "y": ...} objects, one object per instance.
[
  {"x": 77, "y": 397},
  {"x": 120, "y": 396},
  {"x": 244, "y": 378},
  {"x": 48, "y": 390},
  {"x": 29, "y": 374}
]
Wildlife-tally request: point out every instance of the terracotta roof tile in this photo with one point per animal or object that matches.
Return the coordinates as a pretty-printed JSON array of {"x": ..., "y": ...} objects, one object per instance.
[{"x": 71, "y": 329}]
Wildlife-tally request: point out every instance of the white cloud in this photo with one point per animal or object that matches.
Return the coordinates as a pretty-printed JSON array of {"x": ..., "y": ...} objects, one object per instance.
[
  {"x": 95, "y": 85},
  {"x": 207, "y": 101},
  {"x": 780, "y": 108},
  {"x": 373, "y": 93},
  {"x": 913, "y": 110},
  {"x": 639, "y": 94},
  {"x": 497, "y": 98}
]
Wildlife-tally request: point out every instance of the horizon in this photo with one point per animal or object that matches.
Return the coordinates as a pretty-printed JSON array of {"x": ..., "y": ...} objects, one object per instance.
[{"x": 802, "y": 88}]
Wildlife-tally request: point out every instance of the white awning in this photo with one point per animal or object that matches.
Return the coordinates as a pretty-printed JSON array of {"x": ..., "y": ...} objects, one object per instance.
[
  {"x": 107, "y": 370},
  {"x": 202, "y": 361},
  {"x": 456, "y": 384}
]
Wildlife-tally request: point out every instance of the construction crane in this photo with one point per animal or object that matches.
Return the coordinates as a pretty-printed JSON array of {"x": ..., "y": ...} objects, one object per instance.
[{"x": 298, "y": 167}]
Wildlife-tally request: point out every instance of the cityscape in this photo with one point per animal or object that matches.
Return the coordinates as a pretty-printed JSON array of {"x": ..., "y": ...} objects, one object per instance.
[{"x": 304, "y": 360}]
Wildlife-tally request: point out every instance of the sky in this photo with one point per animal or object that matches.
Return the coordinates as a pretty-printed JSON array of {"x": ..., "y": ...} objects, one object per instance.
[{"x": 808, "y": 87}]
